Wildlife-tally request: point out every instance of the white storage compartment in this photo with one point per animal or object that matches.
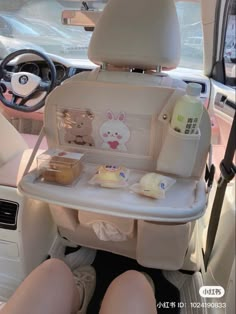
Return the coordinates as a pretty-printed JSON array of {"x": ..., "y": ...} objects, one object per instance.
[
  {"x": 178, "y": 153},
  {"x": 64, "y": 217},
  {"x": 162, "y": 245}
]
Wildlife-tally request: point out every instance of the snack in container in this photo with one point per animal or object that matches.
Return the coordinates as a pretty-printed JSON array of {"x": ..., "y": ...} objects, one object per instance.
[
  {"x": 153, "y": 185},
  {"x": 59, "y": 167},
  {"x": 111, "y": 176}
]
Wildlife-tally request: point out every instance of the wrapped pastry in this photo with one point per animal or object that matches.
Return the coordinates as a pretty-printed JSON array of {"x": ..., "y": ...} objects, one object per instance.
[
  {"x": 153, "y": 185},
  {"x": 110, "y": 176}
]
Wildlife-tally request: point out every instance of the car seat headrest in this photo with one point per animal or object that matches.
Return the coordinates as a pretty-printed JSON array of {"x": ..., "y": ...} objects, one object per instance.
[{"x": 137, "y": 34}]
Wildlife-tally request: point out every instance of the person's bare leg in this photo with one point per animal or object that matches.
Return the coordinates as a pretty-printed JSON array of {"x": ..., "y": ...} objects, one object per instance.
[
  {"x": 129, "y": 293},
  {"x": 49, "y": 289}
]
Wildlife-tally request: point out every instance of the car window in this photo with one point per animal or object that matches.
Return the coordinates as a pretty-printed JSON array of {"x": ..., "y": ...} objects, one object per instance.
[
  {"x": 19, "y": 28},
  {"x": 39, "y": 23},
  {"x": 47, "y": 30},
  {"x": 4, "y": 29},
  {"x": 43, "y": 29},
  {"x": 230, "y": 46},
  {"x": 189, "y": 14}
]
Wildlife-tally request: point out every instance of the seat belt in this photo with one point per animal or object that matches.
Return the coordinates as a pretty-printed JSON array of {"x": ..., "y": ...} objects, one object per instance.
[{"x": 228, "y": 170}]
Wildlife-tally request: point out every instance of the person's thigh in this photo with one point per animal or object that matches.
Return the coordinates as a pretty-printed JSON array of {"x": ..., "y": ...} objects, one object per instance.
[
  {"x": 49, "y": 289},
  {"x": 129, "y": 293}
]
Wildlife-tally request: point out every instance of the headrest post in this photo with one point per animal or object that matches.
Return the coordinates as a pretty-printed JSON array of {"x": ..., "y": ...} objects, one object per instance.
[
  {"x": 103, "y": 66},
  {"x": 159, "y": 69}
]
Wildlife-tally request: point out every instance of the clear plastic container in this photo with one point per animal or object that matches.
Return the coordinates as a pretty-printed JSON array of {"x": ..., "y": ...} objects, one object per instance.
[
  {"x": 188, "y": 111},
  {"x": 59, "y": 167}
]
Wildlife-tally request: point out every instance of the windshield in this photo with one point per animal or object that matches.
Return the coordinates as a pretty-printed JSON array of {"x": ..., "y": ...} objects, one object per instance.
[
  {"x": 19, "y": 28},
  {"x": 37, "y": 24}
]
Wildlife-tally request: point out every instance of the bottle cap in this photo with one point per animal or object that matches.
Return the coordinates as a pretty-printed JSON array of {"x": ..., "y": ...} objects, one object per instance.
[{"x": 193, "y": 89}]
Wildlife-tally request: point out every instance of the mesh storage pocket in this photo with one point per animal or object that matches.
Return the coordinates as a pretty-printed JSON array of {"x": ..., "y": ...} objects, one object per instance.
[
  {"x": 162, "y": 245},
  {"x": 178, "y": 153}
]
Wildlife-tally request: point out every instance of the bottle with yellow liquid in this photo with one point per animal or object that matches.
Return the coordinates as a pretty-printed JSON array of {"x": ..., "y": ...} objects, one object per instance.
[{"x": 188, "y": 111}]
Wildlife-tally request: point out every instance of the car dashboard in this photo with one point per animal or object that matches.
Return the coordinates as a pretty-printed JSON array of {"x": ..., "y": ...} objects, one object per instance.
[
  {"x": 64, "y": 68},
  {"x": 42, "y": 70}
]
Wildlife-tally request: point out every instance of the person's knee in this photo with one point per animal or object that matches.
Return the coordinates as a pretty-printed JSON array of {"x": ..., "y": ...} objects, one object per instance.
[
  {"x": 132, "y": 275},
  {"x": 128, "y": 281},
  {"x": 54, "y": 265},
  {"x": 57, "y": 271},
  {"x": 133, "y": 278},
  {"x": 130, "y": 292}
]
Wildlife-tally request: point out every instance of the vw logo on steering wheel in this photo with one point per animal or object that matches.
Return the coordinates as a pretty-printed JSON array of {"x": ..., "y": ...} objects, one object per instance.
[{"x": 23, "y": 79}]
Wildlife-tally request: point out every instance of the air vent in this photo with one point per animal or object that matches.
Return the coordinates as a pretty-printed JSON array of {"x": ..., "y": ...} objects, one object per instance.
[
  {"x": 79, "y": 70},
  {"x": 8, "y": 214}
]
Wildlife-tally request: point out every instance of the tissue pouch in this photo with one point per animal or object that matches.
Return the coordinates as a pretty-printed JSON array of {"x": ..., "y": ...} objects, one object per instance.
[{"x": 107, "y": 227}]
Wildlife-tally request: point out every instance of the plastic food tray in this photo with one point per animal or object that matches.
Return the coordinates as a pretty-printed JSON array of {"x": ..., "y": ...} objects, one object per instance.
[{"x": 185, "y": 201}]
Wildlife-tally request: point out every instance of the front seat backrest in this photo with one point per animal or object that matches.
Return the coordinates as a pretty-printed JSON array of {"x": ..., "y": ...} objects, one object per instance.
[{"x": 130, "y": 35}]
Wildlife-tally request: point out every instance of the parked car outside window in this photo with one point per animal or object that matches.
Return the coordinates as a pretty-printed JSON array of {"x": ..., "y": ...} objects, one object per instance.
[{"x": 39, "y": 23}]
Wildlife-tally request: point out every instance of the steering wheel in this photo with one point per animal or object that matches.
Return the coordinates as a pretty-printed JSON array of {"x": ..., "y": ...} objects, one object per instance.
[{"x": 23, "y": 85}]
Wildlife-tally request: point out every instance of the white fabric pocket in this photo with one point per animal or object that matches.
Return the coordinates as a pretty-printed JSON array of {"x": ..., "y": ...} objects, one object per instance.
[
  {"x": 107, "y": 227},
  {"x": 178, "y": 153},
  {"x": 64, "y": 217},
  {"x": 162, "y": 246}
]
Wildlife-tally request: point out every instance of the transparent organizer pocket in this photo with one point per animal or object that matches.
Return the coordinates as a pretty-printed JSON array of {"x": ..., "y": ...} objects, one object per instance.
[{"x": 178, "y": 153}]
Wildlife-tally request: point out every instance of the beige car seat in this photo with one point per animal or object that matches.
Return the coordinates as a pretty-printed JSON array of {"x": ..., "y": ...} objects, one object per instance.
[
  {"x": 132, "y": 41},
  {"x": 14, "y": 153}
]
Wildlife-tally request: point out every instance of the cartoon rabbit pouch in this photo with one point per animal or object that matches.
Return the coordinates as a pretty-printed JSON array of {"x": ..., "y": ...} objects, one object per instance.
[{"x": 114, "y": 132}]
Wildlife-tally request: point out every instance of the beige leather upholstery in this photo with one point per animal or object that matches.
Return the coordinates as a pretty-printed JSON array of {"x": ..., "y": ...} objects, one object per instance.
[
  {"x": 12, "y": 143},
  {"x": 131, "y": 78},
  {"x": 142, "y": 34},
  {"x": 14, "y": 152},
  {"x": 1, "y": 305}
]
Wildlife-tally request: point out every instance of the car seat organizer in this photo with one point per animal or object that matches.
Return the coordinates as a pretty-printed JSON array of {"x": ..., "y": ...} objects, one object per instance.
[{"x": 104, "y": 136}]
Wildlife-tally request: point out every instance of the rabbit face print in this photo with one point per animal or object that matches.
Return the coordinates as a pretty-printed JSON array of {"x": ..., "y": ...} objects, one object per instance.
[{"x": 114, "y": 132}]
